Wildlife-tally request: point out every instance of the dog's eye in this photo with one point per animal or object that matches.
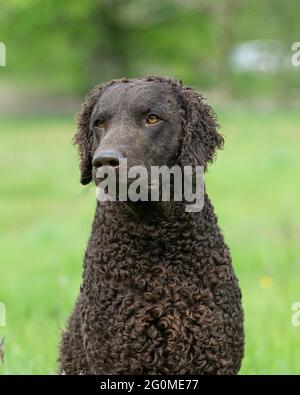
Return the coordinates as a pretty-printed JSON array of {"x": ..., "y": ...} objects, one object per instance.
[
  {"x": 152, "y": 119},
  {"x": 100, "y": 123}
]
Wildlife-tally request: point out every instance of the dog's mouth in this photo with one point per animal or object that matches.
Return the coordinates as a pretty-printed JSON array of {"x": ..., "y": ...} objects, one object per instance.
[
  {"x": 119, "y": 186},
  {"x": 102, "y": 174},
  {"x": 117, "y": 182},
  {"x": 156, "y": 184},
  {"x": 113, "y": 174}
]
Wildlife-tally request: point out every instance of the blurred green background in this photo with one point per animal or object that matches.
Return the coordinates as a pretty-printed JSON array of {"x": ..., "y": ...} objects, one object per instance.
[{"x": 238, "y": 53}]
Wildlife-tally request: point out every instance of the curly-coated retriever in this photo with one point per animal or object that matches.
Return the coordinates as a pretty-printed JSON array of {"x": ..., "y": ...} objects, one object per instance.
[{"x": 159, "y": 294}]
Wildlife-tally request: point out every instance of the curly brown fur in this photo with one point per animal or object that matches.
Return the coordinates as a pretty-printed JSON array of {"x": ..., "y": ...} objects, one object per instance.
[{"x": 159, "y": 294}]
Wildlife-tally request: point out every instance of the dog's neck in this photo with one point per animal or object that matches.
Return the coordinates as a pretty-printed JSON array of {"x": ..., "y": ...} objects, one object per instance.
[
  {"x": 150, "y": 230},
  {"x": 152, "y": 214}
]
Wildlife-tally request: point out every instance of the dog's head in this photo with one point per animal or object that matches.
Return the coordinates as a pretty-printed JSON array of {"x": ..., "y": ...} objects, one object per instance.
[{"x": 150, "y": 121}]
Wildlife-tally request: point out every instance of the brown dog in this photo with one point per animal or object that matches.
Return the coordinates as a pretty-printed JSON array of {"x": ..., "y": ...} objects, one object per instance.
[{"x": 159, "y": 294}]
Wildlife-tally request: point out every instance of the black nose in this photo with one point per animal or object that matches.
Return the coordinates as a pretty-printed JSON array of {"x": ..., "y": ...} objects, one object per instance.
[{"x": 107, "y": 158}]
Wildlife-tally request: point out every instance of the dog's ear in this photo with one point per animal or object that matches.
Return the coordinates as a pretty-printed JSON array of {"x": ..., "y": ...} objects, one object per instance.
[
  {"x": 201, "y": 137},
  {"x": 84, "y": 136}
]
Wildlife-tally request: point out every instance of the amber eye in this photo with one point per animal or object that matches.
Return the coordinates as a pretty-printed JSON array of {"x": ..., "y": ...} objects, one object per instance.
[
  {"x": 152, "y": 119},
  {"x": 100, "y": 123}
]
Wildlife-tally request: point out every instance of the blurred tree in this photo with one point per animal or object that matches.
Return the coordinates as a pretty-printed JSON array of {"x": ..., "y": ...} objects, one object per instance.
[
  {"x": 76, "y": 44},
  {"x": 69, "y": 46}
]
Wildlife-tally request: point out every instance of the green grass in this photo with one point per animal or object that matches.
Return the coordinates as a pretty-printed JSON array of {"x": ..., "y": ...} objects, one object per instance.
[{"x": 45, "y": 218}]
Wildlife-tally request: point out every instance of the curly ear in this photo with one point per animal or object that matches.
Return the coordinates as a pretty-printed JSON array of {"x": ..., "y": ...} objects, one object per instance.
[
  {"x": 201, "y": 137},
  {"x": 84, "y": 137}
]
